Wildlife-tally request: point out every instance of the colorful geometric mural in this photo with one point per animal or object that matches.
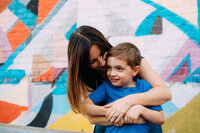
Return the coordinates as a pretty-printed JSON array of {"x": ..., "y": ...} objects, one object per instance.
[{"x": 34, "y": 37}]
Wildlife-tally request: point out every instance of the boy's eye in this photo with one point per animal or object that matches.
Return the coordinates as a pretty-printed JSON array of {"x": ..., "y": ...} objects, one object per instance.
[
  {"x": 119, "y": 68},
  {"x": 108, "y": 68}
]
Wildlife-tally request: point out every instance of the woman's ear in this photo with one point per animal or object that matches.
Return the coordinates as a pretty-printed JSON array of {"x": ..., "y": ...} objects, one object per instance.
[{"x": 136, "y": 70}]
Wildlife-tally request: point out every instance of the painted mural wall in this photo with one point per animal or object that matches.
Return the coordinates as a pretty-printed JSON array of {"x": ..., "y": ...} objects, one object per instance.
[{"x": 34, "y": 38}]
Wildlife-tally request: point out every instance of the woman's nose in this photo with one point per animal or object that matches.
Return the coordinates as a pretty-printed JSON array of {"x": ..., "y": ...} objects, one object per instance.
[{"x": 102, "y": 62}]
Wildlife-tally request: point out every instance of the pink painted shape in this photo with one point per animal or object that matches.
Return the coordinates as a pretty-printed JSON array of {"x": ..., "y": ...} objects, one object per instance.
[
  {"x": 181, "y": 74},
  {"x": 7, "y": 51},
  {"x": 189, "y": 47},
  {"x": 57, "y": 71}
]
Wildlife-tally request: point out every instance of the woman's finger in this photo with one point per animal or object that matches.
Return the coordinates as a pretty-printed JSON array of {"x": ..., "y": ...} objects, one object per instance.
[
  {"x": 119, "y": 117},
  {"x": 113, "y": 118},
  {"x": 108, "y": 105}
]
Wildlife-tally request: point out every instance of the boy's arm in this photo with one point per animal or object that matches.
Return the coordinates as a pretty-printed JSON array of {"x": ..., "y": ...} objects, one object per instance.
[{"x": 156, "y": 117}]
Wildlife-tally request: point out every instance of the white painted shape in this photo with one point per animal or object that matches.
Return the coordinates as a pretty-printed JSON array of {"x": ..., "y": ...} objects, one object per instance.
[
  {"x": 19, "y": 94},
  {"x": 91, "y": 12},
  {"x": 183, "y": 93},
  {"x": 24, "y": 119},
  {"x": 5, "y": 21},
  {"x": 60, "y": 59},
  {"x": 4, "y": 88},
  {"x": 61, "y": 22},
  {"x": 158, "y": 50},
  {"x": 186, "y": 9},
  {"x": 38, "y": 92}
]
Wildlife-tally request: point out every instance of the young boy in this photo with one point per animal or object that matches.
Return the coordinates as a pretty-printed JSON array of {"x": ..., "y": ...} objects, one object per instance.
[{"x": 123, "y": 63}]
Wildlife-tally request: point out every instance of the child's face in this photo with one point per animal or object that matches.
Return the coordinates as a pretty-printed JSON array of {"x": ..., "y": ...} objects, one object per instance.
[{"x": 119, "y": 72}]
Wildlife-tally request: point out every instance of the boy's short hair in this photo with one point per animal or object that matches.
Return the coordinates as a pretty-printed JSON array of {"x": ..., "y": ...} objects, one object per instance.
[{"x": 128, "y": 52}]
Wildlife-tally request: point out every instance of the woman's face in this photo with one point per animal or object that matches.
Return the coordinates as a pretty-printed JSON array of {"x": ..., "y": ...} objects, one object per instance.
[{"x": 97, "y": 59}]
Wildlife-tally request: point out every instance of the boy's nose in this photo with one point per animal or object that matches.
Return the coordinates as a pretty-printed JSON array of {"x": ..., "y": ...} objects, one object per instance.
[{"x": 112, "y": 73}]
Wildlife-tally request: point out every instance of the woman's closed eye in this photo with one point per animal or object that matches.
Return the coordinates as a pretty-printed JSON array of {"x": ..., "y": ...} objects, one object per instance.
[{"x": 92, "y": 61}]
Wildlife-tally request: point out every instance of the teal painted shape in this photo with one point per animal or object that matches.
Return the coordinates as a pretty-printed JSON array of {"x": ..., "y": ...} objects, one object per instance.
[
  {"x": 61, "y": 85},
  {"x": 11, "y": 76},
  {"x": 68, "y": 34},
  {"x": 194, "y": 77},
  {"x": 60, "y": 105},
  {"x": 147, "y": 24},
  {"x": 26, "y": 16},
  {"x": 169, "y": 107},
  {"x": 185, "y": 26},
  {"x": 198, "y": 7}
]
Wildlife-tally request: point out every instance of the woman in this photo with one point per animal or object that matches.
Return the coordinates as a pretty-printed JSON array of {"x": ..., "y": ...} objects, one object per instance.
[{"x": 87, "y": 69}]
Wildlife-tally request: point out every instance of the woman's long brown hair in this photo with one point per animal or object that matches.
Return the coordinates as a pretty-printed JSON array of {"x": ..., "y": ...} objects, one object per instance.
[{"x": 81, "y": 78}]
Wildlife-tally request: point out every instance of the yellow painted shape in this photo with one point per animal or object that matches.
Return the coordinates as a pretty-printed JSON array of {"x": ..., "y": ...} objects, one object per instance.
[
  {"x": 186, "y": 120},
  {"x": 185, "y": 8},
  {"x": 73, "y": 122}
]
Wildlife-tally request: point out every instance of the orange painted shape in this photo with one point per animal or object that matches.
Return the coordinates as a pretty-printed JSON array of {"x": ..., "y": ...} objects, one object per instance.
[
  {"x": 4, "y": 4},
  {"x": 46, "y": 77},
  {"x": 18, "y": 34},
  {"x": 44, "y": 8},
  {"x": 9, "y": 111}
]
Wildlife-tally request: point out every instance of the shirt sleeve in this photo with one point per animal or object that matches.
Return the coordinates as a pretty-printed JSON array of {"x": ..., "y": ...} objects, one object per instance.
[{"x": 99, "y": 95}]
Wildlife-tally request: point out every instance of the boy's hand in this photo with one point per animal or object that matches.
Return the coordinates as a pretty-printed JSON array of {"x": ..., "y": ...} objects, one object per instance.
[
  {"x": 133, "y": 115},
  {"x": 120, "y": 123}
]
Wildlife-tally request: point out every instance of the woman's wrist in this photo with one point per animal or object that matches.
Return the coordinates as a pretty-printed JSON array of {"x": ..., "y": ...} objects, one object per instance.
[{"x": 131, "y": 100}]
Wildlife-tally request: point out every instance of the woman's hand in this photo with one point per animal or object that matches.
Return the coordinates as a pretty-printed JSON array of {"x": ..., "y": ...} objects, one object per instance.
[
  {"x": 117, "y": 109},
  {"x": 133, "y": 115}
]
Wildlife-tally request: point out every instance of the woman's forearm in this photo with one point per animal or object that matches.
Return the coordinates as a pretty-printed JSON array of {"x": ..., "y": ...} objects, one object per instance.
[
  {"x": 153, "y": 97},
  {"x": 91, "y": 109},
  {"x": 159, "y": 94},
  {"x": 99, "y": 120}
]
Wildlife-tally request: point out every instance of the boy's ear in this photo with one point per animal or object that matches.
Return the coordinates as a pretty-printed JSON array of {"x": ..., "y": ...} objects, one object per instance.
[{"x": 136, "y": 70}]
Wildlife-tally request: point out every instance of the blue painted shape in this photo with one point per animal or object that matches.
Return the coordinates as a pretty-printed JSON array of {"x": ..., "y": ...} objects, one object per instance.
[
  {"x": 194, "y": 77},
  {"x": 187, "y": 58},
  {"x": 68, "y": 34},
  {"x": 61, "y": 85},
  {"x": 169, "y": 107},
  {"x": 26, "y": 16},
  {"x": 198, "y": 7},
  {"x": 147, "y": 24},
  {"x": 11, "y": 76},
  {"x": 60, "y": 105},
  {"x": 185, "y": 26},
  {"x": 37, "y": 107}
]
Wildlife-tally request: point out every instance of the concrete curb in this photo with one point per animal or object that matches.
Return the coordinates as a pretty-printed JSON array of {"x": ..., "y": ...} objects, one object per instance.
[{"x": 7, "y": 128}]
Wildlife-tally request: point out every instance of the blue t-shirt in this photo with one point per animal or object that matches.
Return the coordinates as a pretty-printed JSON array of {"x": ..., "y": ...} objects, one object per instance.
[{"x": 108, "y": 93}]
